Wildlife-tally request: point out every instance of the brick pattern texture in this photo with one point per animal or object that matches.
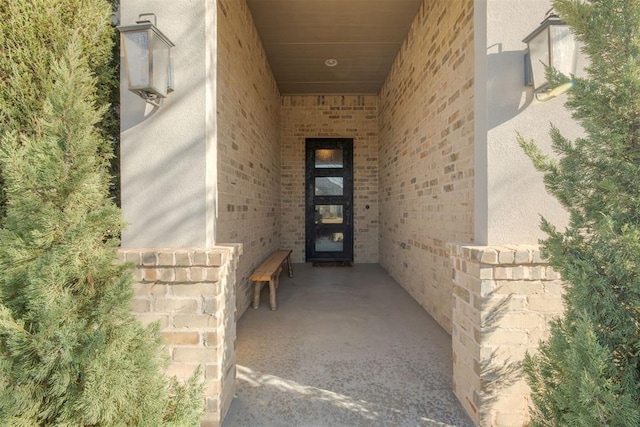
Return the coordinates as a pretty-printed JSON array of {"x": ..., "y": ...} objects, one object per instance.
[
  {"x": 426, "y": 153},
  {"x": 191, "y": 293},
  {"x": 330, "y": 117},
  {"x": 248, "y": 104},
  {"x": 503, "y": 301}
]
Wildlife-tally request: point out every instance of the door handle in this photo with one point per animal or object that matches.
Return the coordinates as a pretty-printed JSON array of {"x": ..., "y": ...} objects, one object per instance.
[{"x": 348, "y": 217}]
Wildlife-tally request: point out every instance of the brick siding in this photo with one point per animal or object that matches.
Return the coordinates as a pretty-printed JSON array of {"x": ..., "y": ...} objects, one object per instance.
[
  {"x": 191, "y": 293},
  {"x": 503, "y": 301},
  {"x": 426, "y": 153},
  {"x": 331, "y": 117},
  {"x": 248, "y": 104}
]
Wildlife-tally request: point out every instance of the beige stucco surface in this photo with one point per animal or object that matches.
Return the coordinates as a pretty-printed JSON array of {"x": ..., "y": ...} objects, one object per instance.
[
  {"x": 510, "y": 196},
  {"x": 166, "y": 198}
]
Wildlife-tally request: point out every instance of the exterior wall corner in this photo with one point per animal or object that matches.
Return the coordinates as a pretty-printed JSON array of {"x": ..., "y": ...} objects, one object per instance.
[
  {"x": 191, "y": 294},
  {"x": 503, "y": 300}
]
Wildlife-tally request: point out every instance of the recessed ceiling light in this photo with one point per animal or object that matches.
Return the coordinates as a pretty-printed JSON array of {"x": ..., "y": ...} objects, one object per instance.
[{"x": 331, "y": 62}]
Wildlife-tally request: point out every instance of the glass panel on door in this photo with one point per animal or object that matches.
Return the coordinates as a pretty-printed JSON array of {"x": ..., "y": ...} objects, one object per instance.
[
  {"x": 328, "y": 158},
  {"x": 329, "y": 214},
  {"x": 329, "y": 186},
  {"x": 329, "y": 241}
]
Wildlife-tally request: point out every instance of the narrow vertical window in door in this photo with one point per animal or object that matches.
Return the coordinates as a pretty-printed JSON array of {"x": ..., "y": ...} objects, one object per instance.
[{"x": 329, "y": 199}]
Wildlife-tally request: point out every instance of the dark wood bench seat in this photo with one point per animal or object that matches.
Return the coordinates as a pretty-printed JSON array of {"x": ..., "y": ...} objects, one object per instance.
[{"x": 269, "y": 272}]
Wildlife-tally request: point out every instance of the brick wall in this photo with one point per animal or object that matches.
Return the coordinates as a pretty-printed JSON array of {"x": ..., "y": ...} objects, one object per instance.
[
  {"x": 330, "y": 117},
  {"x": 191, "y": 293},
  {"x": 248, "y": 104},
  {"x": 503, "y": 301},
  {"x": 426, "y": 153}
]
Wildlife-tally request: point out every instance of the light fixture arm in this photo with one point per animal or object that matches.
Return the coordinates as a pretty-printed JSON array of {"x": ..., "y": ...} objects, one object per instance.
[{"x": 142, "y": 21}]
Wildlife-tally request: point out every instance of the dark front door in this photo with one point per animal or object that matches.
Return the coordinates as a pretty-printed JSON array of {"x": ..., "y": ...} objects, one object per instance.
[{"x": 329, "y": 199}]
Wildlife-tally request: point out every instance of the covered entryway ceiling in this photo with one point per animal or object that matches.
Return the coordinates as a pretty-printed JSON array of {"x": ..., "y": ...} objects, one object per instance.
[{"x": 363, "y": 36}]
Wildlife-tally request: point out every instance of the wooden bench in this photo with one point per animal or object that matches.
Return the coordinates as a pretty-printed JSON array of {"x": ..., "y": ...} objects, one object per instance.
[{"x": 269, "y": 272}]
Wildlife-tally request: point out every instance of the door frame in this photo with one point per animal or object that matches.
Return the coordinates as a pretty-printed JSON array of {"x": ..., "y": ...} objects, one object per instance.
[{"x": 311, "y": 172}]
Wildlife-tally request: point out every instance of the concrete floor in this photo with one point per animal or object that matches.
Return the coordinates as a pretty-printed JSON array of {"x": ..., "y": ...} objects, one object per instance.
[{"x": 346, "y": 347}]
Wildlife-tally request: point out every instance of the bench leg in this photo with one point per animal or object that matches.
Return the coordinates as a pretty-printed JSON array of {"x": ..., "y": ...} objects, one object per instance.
[
  {"x": 273, "y": 284},
  {"x": 257, "y": 287},
  {"x": 289, "y": 265}
]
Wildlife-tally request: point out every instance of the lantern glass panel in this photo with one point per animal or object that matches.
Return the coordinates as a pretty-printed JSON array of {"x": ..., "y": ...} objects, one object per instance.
[
  {"x": 564, "y": 49},
  {"x": 160, "y": 66},
  {"x": 539, "y": 51},
  {"x": 136, "y": 44}
]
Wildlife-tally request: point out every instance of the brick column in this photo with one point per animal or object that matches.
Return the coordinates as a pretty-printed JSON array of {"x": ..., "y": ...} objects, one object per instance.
[
  {"x": 503, "y": 300},
  {"x": 191, "y": 293}
]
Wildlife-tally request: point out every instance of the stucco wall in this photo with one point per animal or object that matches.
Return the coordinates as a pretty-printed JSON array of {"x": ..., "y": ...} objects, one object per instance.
[
  {"x": 510, "y": 195},
  {"x": 426, "y": 153},
  {"x": 331, "y": 117},
  {"x": 248, "y": 129},
  {"x": 164, "y": 151}
]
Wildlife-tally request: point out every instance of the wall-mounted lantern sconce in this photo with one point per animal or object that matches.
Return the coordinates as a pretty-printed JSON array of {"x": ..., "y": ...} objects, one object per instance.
[
  {"x": 552, "y": 44},
  {"x": 147, "y": 57}
]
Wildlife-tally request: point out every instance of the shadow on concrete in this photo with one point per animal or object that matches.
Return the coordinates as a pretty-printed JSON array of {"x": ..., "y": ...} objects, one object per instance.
[{"x": 346, "y": 347}]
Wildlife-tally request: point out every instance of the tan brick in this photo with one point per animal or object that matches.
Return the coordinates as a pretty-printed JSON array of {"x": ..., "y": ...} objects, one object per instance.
[
  {"x": 545, "y": 303},
  {"x": 211, "y": 417},
  {"x": 214, "y": 259},
  {"x": 134, "y": 257},
  {"x": 520, "y": 272},
  {"x": 503, "y": 273},
  {"x": 166, "y": 259},
  {"x": 212, "y": 274},
  {"x": 149, "y": 259},
  {"x": 555, "y": 287},
  {"x": 523, "y": 256},
  {"x": 486, "y": 273},
  {"x": 551, "y": 274},
  {"x": 194, "y": 290},
  {"x": 506, "y": 337},
  {"x": 140, "y": 305},
  {"x": 183, "y": 275},
  {"x": 138, "y": 275},
  {"x": 175, "y": 305},
  {"x": 195, "y": 355},
  {"x": 167, "y": 274},
  {"x": 521, "y": 321},
  {"x": 536, "y": 272},
  {"x": 462, "y": 293},
  {"x": 489, "y": 256},
  {"x": 150, "y": 274},
  {"x": 194, "y": 321},
  {"x": 174, "y": 338},
  {"x": 537, "y": 257},
  {"x": 212, "y": 372},
  {"x": 182, "y": 370},
  {"x": 506, "y": 257},
  {"x": 520, "y": 287},
  {"x": 149, "y": 318},
  {"x": 198, "y": 274},
  {"x": 209, "y": 305},
  {"x": 199, "y": 258},
  {"x": 150, "y": 289},
  {"x": 183, "y": 259}
]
